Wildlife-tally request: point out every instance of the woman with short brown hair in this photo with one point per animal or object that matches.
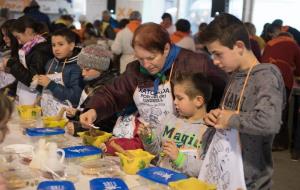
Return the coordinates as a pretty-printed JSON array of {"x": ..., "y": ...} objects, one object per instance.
[{"x": 147, "y": 81}]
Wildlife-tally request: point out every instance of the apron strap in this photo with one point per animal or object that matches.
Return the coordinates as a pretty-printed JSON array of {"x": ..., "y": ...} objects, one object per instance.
[
  {"x": 171, "y": 72},
  {"x": 242, "y": 92},
  {"x": 52, "y": 65}
]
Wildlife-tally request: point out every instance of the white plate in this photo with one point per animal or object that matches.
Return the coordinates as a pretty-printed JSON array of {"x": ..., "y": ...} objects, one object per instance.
[{"x": 18, "y": 148}]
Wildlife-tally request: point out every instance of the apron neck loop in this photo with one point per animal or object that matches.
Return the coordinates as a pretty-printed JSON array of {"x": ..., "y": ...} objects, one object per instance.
[
  {"x": 242, "y": 91},
  {"x": 65, "y": 61}
]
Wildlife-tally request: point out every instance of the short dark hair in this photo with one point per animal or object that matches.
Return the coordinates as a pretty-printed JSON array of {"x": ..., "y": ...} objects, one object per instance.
[
  {"x": 123, "y": 22},
  {"x": 151, "y": 36},
  {"x": 67, "y": 33},
  {"x": 227, "y": 29},
  {"x": 166, "y": 15},
  {"x": 24, "y": 22},
  {"x": 202, "y": 25},
  {"x": 196, "y": 85},
  {"x": 90, "y": 29},
  {"x": 250, "y": 28},
  {"x": 277, "y": 22},
  {"x": 183, "y": 25}
]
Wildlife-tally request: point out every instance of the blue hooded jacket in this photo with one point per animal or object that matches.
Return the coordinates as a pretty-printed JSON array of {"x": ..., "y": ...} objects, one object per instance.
[{"x": 72, "y": 78}]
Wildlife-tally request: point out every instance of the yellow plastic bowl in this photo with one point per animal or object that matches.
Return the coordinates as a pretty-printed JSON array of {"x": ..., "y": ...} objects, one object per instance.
[
  {"x": 94, "y": 140},
  {"x": 52, "y": 122},
  {"x": 29, "y": 112},
  {"x": 191, "y": 184},
  {"x": 132, "y": 165}
]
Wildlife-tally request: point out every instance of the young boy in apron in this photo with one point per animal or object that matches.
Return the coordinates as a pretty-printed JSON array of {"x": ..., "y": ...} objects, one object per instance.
[
  {"x": 94, "y": 60},
  {"x": 63, "y": 80},
  {"x": 184, "y": 138}
]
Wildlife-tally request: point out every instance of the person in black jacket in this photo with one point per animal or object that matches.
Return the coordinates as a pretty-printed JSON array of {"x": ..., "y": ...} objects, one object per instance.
[
  {"x": 94, "y": 61},
  {"x": 33, "y": 56}
]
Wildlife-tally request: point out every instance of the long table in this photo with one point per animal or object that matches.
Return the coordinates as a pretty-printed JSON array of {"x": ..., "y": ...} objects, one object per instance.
[{"x": 16, "y": 136}]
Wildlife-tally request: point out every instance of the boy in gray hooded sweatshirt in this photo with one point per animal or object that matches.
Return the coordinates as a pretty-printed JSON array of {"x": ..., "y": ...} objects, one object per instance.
[{"x": 253, "y": 99}]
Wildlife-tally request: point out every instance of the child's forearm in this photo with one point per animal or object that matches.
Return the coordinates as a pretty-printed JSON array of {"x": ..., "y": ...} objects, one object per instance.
[{"x": 125, "y": 143}]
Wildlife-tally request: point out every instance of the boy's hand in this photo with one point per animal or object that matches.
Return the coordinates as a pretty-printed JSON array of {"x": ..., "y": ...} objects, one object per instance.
[
  {"x": 71, "y": 112},
  {"x": 103, "y": 147},
  {"x": 35, "y": 77},
  {"x": 171, "y": 150},
  {"x": 43, "y": 80},
  {"x": 218, "y": 118},
  {"x": 223, "y": 119},
  {"x": 70, "y": 128},
  {"x": 211, "y": 118}
]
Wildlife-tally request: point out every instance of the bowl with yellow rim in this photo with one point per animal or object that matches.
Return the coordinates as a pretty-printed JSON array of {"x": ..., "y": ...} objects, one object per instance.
[
  {"x": 52, "y": 121},
  {"x": 192, "y": 184},
  {"x": 132, "y": 164},
  {"x": 29, "y": 112},
  {"x": 94, "y": 137}
]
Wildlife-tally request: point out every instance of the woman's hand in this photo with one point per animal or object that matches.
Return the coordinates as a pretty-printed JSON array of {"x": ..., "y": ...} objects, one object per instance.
[
  {"x": 88, "y": 118},
  {"x": 171, "y": 150},
  {"x": 43, "y": 80}
]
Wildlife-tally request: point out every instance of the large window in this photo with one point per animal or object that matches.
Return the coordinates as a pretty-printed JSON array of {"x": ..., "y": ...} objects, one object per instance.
[
  {"x": 196, "y": 11},
  {"x": 265, "y": 11}
]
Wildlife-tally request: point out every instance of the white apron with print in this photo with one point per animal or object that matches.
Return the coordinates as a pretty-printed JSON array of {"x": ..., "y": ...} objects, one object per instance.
[
  {"x": 125, "y": 126},
  {"x": 83, "y": 97},
  {"x": 25, "y": 95},
  {"x": 51, "y": 105},
  {"x": 223, "y": 165},
  {"x": 154, "y": 108}
]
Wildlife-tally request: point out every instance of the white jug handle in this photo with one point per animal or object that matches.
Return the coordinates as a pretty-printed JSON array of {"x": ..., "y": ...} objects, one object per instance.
[{"x": 62, "y": 155}]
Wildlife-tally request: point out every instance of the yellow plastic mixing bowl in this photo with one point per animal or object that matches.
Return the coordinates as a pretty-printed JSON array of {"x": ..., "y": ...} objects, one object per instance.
[
  {"x": 51, "y": 121},
  {"x": 139, "y": 160},
  {"x": 29, "y": 112}
]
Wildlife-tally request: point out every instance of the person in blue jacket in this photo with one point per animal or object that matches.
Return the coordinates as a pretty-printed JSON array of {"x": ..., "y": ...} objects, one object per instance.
[{"x": 62, "y": 82}]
